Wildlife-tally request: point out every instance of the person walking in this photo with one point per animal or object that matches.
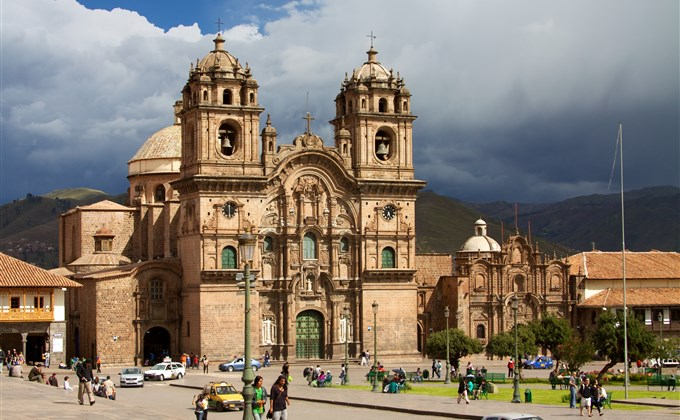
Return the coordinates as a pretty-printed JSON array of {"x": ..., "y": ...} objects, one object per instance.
[
  {"x": 259, "y": 398},
  {"x": 84, "y": 373},
  {"x": 462, "y": 390},
  {"x": 511, "y": 368},
  {"x": 206, "y": 362},
  {"x": 599, "y": 397},
  {"x": 586, "y": 392},
  {"x": 278, "y": 399},
  {"x": 99, "y": 364},
  {"x": 200, "y": 403}
]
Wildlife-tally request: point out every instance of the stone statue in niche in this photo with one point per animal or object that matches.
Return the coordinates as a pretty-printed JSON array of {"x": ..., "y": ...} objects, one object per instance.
[{"x": 309, "y": 284}]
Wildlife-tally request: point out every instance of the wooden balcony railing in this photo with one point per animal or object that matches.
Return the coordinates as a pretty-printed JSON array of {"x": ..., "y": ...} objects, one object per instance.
[{"x": 26, "y": 314}]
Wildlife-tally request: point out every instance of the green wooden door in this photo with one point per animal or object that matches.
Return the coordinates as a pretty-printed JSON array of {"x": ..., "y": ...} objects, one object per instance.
[{"x": 309, "y": 335}]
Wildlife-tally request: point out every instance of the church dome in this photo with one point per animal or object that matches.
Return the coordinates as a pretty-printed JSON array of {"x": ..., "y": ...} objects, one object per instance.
[
  {"x": 161, "y": 152},
  {"x": 219, "y": 60},
  {"x": 480, "y": 242},
  {"x": 372, "y": 69}
]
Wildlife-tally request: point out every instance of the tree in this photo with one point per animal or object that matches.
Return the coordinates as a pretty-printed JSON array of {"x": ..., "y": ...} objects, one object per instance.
[
  {"x": 551, "y": 332},
  {"x": 460, "y": 346},
  {"x": 503, "y": 344},
  {"x": 608, "y": 339},
  {"x": 575, "y": 353}
]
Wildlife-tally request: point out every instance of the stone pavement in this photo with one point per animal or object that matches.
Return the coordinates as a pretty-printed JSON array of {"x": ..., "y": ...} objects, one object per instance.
[{"x": 20, "y": 399}]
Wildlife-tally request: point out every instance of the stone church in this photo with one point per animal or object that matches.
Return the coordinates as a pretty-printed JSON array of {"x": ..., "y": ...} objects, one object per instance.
[{"x": 334, "y": 221}]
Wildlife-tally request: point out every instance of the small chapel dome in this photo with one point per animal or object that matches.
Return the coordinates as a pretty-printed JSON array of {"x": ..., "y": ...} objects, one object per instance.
[
  {"x": 161, "y": 152},
  {"x": 219, "y": 60},
  {"x": 480, "y": 242}
]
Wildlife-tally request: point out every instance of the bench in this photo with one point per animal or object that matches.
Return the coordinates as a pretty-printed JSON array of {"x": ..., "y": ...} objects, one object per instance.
[
  {"x": 562, "y": 382},
  {"x": 411, "y": 376},
  {"x": 660, "y": 380},
  {"x": 608, "y": 401},
  {"x": 370, "y": 375},
  {"x": 477, "y": 394},
  {"x": 495, "y": 377}
]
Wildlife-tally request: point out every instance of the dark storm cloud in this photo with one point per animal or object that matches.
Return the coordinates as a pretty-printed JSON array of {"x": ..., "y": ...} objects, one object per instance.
[{"x": 516, "y": 101}]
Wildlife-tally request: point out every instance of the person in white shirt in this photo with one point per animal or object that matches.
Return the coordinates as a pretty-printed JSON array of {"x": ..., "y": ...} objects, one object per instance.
[{"x": 67, "y": 385}]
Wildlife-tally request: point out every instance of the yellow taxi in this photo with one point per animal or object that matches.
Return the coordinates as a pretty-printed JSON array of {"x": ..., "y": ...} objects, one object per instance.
[{"x": 223, "y": 396}]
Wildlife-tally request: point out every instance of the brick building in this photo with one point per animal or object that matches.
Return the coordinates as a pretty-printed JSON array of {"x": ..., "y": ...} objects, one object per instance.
[{"x": 335, "y": 226}]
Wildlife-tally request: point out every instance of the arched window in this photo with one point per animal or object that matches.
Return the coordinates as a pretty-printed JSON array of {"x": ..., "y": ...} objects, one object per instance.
[
  {"x": 309, "y": 247},
  {"x": 481, "y": 331},
  {"x": 363, "y": 104},
  {"x": 228, "y": 257},
  {"x": 159, "y": 195},
  {"x": 156, "y": 289},
  {"x": 344, "y": 245},
  {"x": 268, "y": 330},
  {"x": 405, "y": 107},
  {"x": 205, "y": 95},
  {"x": 519, "y": 283},
  {"x": 388, "y": 258},
  {"x": 227, "y": 139},
  {"x": 382, "y": 105},
  {"x": 268, "y": 244},
  {"x": 227, "y": 97},
  {"x": 251, "y": 98}
]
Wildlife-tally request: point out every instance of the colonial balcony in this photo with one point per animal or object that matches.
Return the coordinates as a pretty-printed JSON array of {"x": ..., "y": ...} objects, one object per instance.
[{"x": 26, "y": 314}]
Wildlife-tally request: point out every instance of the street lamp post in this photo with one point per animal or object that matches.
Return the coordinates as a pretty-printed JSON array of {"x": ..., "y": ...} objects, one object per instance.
[
  {"x": 515, "y": 381},
  {"x": 246, "y": 244},
  {"x": 447, "y": 378},
  {"x": 660, "y": 318},
  {"x": 374, "y": 306},
  {"x": 346, "y": 380}
]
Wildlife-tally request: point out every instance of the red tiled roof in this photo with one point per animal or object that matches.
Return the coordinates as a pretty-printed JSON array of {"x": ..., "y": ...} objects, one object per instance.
[
  {"x": 639, "y": 265},
  {"x": 16, "y": 273},
  {"x": 648, "y": 296}
]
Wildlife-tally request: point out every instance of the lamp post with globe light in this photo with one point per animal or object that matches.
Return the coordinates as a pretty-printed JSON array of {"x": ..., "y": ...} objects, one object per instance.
[
  {"x": 447, "y": 378},
  {"x": 515, "y": 381},
  {"x": 374, "y": 306},
  {"x": 660, "y": 318},
  {"x": 246, "y": 245}
]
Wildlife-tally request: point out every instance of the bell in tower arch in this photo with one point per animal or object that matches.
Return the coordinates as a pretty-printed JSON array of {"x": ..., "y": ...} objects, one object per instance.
[{"x": 383, "y": 150}]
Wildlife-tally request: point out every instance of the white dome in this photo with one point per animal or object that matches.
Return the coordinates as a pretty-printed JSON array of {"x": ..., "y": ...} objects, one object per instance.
[{"x": 480, "y": 242}]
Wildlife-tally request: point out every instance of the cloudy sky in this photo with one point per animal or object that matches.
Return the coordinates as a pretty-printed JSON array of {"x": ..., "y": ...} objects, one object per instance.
[{"x": 516, "y": 100}]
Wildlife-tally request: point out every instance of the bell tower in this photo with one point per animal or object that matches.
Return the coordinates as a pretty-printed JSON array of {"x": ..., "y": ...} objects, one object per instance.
[
  {"x": 221, "y": 117},
  {"x": 374, "y": 107}
]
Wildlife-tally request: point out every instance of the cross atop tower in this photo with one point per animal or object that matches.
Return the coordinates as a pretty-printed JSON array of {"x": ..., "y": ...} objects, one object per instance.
[
  {"x": 372, "y": 38},
  {"x": 309, "y": 119},
  {"x": 219, "y": 24}
]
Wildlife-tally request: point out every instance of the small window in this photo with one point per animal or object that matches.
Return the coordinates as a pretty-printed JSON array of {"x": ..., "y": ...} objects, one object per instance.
[
  {"x": 363, "y": 104},
  {"x": 38, "y": 301},
  {"x": 382, "y": 105},
  {"x": 481, "y": 331},
  {"x": 14, "y": 302},
  {"x": 344, "y": 245},
  {"x": 156, "y": 290},
  {"x": 388, "y": 258},
  {"x": 229, "y": 257},
  {"x": 205, "y": 95},
  {"x": 251, "y": 98},
  {"x": 268, "y": 244},
  {"x": 309, "y": 247},
  {"x": 159, "y": 195},
  {"x": 227, "y": 97}
]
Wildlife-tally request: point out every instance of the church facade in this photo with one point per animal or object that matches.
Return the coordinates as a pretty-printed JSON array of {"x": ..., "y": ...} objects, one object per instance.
[{"x": 335, "y": 228}]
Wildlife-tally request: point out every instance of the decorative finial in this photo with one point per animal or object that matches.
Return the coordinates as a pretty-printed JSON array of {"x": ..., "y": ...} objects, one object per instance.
[{"x": 269, "y": 120}]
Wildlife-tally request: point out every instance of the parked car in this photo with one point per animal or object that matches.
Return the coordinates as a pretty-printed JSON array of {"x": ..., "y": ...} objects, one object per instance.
[
  {"x": 238, "y": 364},
  {"x": 511, "y": 416},
  {"x": 540, "y": 362},
  {"x": 131, "y": 376},
  {"x": 223, "y": 396},
  {"x": 163, "y": 371}
]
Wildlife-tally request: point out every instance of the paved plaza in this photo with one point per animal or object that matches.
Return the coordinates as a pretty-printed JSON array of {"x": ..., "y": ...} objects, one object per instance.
[{"x": 20, "y": 399}]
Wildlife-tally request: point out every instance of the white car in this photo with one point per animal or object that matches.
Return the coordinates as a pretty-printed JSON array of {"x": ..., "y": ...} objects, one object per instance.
[
  {"x": 163, "y": 371},
  {"x": 511, "y": 416},
  {"x": 131, "y": 376}
]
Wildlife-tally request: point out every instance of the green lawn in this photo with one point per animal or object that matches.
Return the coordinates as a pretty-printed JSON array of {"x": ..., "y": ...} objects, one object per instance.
[{"x": 539, "y": 395}]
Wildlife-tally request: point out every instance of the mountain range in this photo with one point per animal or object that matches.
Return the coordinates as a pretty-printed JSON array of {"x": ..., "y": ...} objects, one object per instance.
[{"x": 29, "y": 226}]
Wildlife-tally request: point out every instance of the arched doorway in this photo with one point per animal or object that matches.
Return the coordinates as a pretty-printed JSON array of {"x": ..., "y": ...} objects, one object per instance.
[
  {"x": 309, "y": 335},
  {"x": 156, "y": 344}
]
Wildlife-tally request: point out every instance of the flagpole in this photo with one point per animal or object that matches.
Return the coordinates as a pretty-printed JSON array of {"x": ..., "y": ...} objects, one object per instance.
[{"x": 623, "y": 261}]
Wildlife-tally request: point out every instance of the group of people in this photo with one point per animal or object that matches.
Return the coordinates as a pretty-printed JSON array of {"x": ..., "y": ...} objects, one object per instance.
[
  {"x": 592, "y": 394},
  {"x": 318, "y": 377},
  {"x": 277, "y": 396},
  {"x": 91, "y": 385}
]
